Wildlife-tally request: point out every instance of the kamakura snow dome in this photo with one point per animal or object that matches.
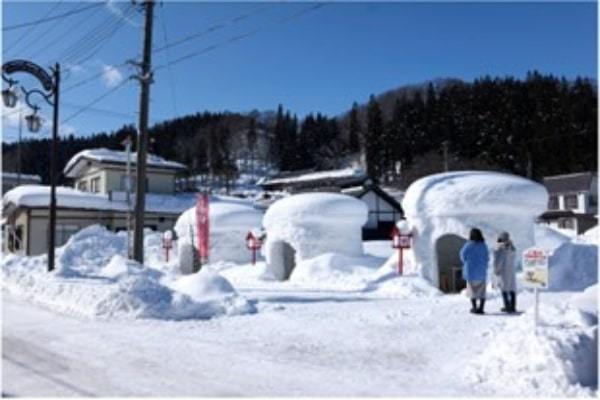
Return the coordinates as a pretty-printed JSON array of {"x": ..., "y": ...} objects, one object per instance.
[
  {"x": 230, "y": 220},
  {"x": 306, "y": 225},
  {"x": 442, "y": 209}
]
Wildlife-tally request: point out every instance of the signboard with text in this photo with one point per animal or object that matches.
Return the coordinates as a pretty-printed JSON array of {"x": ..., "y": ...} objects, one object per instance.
[{"x": 535, "y": 268}]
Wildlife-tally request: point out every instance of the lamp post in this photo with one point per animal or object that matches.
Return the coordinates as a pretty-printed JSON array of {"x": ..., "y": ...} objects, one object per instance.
[{"x": 50, "y": 83}]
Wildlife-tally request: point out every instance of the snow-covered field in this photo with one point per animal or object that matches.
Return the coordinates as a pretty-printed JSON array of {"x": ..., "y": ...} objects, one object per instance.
[{"x": 348, "y": 326}]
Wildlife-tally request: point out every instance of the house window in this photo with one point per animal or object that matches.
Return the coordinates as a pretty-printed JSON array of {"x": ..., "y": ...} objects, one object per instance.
[
  {"x": 571, "y": 201},
  {"x": 553, "y": 203},
  {"x": 592, "y": 201},
  {"x": 82, "y": 185},
  {"x": 64, "y": 232},
  {"x": 566, "y": 223},
  {"x": 95, "y": 185}
]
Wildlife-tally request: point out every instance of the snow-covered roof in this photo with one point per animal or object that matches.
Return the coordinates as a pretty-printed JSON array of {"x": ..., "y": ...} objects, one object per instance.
[
  {"x": 329, "y": 208},
  {"x": 474, "y": 192},
  {"x": 103, "y": 155},
  {"x": 224, "y": 213},
  {"x": 345, "y": 173},
  {"x": 66, "y": 197},
  {"x": 25, "y": 177}
]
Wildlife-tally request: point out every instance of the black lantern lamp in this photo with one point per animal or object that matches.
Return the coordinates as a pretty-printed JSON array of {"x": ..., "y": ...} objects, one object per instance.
[{"x": 34, "y": 122}]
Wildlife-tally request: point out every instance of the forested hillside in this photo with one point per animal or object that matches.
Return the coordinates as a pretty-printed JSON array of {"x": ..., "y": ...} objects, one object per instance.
[{"x": 538, "y": 126}]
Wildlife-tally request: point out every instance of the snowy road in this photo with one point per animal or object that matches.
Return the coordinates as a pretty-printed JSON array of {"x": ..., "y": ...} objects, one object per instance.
[{"x": 299, "y": 343}]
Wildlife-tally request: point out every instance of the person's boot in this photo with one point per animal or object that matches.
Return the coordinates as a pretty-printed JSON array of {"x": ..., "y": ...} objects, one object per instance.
[
  {"x": 473, "y": 306},
  {"x": 513, "y": 302},
  {"x": 481, "y": 305},
  {"x": 507, "y": 303}
]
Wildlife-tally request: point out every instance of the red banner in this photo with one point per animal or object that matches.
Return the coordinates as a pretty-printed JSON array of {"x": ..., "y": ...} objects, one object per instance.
[{"x": 202, "y": 225}]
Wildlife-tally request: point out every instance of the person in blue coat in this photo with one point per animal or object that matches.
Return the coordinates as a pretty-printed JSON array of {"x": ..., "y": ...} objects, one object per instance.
[{"x": 474, "y": 256}]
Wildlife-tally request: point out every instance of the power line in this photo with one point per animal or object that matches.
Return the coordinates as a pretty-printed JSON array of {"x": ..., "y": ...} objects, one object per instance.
[
  {"x": 99, "y": 110},
  {"x": 92, "y": 42},
  {"x": 168, "y": 57},
  {"x": 28, "y": 32},
  {"x": 43, "y": 45},
  {"x": 93, "y": 102},
  {"x": 49, "y": 19},
  {"x": 211, "y": 29},
  {"x": 236, "y": 38}
]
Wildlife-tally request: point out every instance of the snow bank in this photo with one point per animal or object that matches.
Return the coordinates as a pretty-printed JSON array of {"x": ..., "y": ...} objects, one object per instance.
[
  {"x": 549, "y": 238},
  {"x": 590, "y": 236},
  {"x": 573, "y": 266},
  {"x": 561, "y": 360},
  {"x": 230, "y": 219},
  {"x": 334, "y": 270},
  {"x": 586, "y": 302},
  {"x": 313, "y": 224},
  {"x": 94, "y": 279},
  {"x": 67, "y": 197},
  {"x": 455, "y": 202}
]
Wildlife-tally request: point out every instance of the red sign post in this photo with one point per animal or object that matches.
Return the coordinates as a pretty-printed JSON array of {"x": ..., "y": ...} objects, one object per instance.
[
  {"x": 202, "y": 226},
  {"x": 253, "y": 244},
  {"x": 400, "y": 241}
]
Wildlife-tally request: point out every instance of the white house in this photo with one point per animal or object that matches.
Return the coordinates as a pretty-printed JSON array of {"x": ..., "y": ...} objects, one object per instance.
[
  {"x": 573, "y": 202},
  {"x": 98, "y": 198}
]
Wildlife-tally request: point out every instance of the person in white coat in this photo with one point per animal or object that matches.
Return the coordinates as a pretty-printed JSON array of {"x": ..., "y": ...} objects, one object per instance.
[{"x": 504, "y": 269}]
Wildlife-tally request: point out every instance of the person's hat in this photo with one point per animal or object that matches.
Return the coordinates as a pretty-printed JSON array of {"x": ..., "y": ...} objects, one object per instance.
[{"x": 503, "y": 237}]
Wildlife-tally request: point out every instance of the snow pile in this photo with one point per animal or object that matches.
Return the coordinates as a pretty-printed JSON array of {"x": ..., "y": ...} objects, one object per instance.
[
  {"x": 387, "y": 282},
  {"x": 561, "y": 360},
  {"x": 455, "y": 202},
  {"x": 573, "y": 267},
  {"x": 590, "y": 236},
  {"x": 334, "y": 270},
  {"x": 94, "y": 279},
  {"x": 313, "y": 224},
  {"x": 549, "y": 238},
  {"x": 230, "y": 219},
  {"x": 587, "y": 302}
]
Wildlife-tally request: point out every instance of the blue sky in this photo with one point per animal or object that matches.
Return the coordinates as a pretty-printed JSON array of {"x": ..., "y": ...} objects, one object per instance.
[{"x": 308, "y": 59}]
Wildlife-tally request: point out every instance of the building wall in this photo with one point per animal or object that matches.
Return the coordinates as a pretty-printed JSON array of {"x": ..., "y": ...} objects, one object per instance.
[
  {"x": 69, "y": 222},
  {"x": 112, "y": 179}
]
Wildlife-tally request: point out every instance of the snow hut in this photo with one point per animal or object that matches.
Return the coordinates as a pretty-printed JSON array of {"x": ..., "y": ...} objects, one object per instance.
[
  {"x": 230, "y": 220},
  {"x": 306, "y": 225},
  {"x": 442, "y": 209}
]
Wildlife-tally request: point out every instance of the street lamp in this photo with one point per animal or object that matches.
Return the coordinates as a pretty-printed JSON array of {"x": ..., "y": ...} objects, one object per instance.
[
  {"x": 9, "y": 97},
  {"x": 50, "y": 84},
  {"x": 34, "y": 122}
]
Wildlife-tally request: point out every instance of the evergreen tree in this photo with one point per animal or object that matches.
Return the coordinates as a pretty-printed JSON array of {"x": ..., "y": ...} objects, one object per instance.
[
  {"x": 373, "y": 139},
  {"x": 354, "y": 132}
]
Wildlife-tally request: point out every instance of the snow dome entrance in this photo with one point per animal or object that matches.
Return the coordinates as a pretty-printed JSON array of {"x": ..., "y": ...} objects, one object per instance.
[
  {"x": 283, "y": 259},
  {"x": 447, "y": 251}
]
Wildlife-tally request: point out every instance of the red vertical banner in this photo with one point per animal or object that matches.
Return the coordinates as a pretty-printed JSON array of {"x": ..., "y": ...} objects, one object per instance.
[{"x": 202, "y": 226}]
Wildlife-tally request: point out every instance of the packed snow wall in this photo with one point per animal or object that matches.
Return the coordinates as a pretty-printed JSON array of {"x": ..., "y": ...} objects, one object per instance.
[
  {"x": 230, "y": 220},
  {"x": 307, "y": 225},
  {"x": 452, "y": 203}
]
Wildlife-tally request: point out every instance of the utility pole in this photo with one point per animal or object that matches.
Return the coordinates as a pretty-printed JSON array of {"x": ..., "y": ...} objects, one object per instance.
[
  {"x": 445, "y": 145},
  {"x": 19, "y": 148},
  {"x": 145, "y": 79}
]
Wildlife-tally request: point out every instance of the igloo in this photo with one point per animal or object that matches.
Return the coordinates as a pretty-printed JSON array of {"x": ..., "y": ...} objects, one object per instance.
[
  {"x": 307, "y": 225},
  {"x": 442, "y": 208},
  {"x": 230, "y": 220}
]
